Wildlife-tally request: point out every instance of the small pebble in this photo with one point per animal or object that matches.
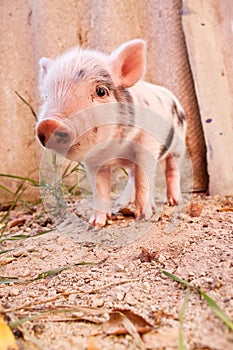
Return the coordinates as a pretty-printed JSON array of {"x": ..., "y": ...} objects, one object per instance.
[
  {"x": 146, "y": 285},
  {"x": 191, "y": 274},
  {"x": 120, "y": 296},
  {"x": 44, "y": 254},
  {"x": 14, "y": 292},
  {"x": 20, "y": 253},
  {"x": 25, "y": 273},
  {"x": 129, "y": 299},
  {"x": 77, "y": 314},
  {"x": 38, "y": 328},
  {"x": 161, "y": 258},
  {"x": 119, "y": 267},
  {"x": 97, "y": 302},
  {"x": 209, "y": 280}
]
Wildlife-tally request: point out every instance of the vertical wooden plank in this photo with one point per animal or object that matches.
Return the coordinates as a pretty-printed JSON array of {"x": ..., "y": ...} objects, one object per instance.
[{"x": 208, "y": 28}]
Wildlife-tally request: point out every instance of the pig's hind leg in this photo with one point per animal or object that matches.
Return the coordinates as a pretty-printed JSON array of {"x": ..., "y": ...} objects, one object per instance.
[
  {"x": 144, "y": 191},
  {"x": 172, "y": 173},
  {"x": 128, "y": 195}
]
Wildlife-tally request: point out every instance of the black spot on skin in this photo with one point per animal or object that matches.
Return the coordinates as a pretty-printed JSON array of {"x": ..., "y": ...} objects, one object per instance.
[
  {"x": 103, "y": 77},
  {"x": 177, "y": 113},
  {"x": 126, "y": 105},
  {"x": 164, "y": 148},
  {"x": 80, "y": 75},
  {"x": 103, "y": 73},
  {"x": 159, "y": 99},
  {"x": 95, "y": 129},
  {"x": 146, "y": 103}
]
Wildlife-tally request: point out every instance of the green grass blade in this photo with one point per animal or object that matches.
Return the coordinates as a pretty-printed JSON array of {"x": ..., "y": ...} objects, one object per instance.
[
  {"x": 6, "y": 189},
  {"x": 7, "y": 280},
  {"x": 11, "y": 207},
  {"x": 14, "y": 238},
  {"x": 181, "y": 339},
  {"x": 5, "y": 251},
  {"x": 176, "y": 278},
  {"x": 181, "y": 342},
  {"x": 18, "y": 323},
  {"x": 4, "y": 227},
  {"x": 212, "y": 304},
  {"x": 66, "y": 171},
  {"x": 216, "y": 309},
  {"x": 17, "y": 177},
  {"x": 184, "y": 306},
  {"x": 27, "y": 103},
  {"x": 23, "y": 236},
  {"x": 40, "y": 233},
  {"x": 125, "y": 171},
  {"x": 51, "y": 273}
]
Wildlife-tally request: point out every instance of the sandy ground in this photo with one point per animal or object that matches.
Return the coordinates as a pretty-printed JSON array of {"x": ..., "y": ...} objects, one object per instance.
[{"x": 120, "y": 299}]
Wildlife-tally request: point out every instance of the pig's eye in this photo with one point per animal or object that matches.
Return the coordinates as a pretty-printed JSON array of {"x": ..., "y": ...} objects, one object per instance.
[{"x": 101, "y": 91}]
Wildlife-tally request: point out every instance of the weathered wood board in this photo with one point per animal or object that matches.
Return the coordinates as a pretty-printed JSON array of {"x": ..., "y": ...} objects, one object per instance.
[{"x": 208, "y": 29}]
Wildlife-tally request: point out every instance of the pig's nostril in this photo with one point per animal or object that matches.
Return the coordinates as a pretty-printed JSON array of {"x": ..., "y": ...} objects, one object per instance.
[
  {"x": 41, "y": 137},
  {"x": 62, "y": 136}
]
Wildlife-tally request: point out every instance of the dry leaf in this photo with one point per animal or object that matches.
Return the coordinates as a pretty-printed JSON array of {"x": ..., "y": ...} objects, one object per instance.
[
  {"x": 126, "y": 322},
  {"x": 17, "y": 222},
  {"x": 221, "y": 210},
  {"x": 7, "y": 339},
  {"x": 147, "y": 256},
  {"x": 159, "y": 315},
  {"x": 127, "y": 212},
  {"x": 115, "y": 324},
  {"x": 122, "y": 214},
  {"x": 195, "y": 209}
]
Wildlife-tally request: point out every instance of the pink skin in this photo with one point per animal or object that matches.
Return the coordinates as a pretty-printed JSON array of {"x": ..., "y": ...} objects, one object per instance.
[
  {"x": 66, "y": 92},
  {"x": 101, "y": 198},
  {"x": 172, "y": 180}
]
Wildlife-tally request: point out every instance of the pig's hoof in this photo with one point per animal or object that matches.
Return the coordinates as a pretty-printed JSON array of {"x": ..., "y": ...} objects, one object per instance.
[
  {"x": 146, "y": 215},
  {"x": 97, "y": 220},
  {"x": 96, "y": 224},
  {"x": 172, "y": 201},
  {"x": 94, "y": 227}
]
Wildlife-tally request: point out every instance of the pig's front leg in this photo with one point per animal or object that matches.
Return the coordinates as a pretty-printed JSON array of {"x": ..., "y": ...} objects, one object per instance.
[
  {"x": 172, "y": 174},
  {"x": 100, "y": 183}
]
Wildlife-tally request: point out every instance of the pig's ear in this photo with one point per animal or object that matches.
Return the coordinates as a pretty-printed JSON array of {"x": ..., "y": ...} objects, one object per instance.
[
  {"x": 44, "y": 66},
  {"x": 129, "y": 61}
]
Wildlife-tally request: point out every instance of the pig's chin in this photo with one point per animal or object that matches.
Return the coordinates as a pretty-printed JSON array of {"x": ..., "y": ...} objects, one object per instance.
[
  {"x": 58, "y": 147},
  {"x": 76, "y": 152}
]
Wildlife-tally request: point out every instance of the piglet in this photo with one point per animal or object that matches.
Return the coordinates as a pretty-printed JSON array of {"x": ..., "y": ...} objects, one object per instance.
[{"x": 96, "y": 110}]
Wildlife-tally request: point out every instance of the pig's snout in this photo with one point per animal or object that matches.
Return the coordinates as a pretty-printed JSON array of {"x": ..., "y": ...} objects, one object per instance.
[{"x": 54, "y": 135}]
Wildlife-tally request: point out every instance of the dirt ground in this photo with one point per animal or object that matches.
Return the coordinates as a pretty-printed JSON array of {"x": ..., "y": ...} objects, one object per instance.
[{"x": 119, "y": 298}]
